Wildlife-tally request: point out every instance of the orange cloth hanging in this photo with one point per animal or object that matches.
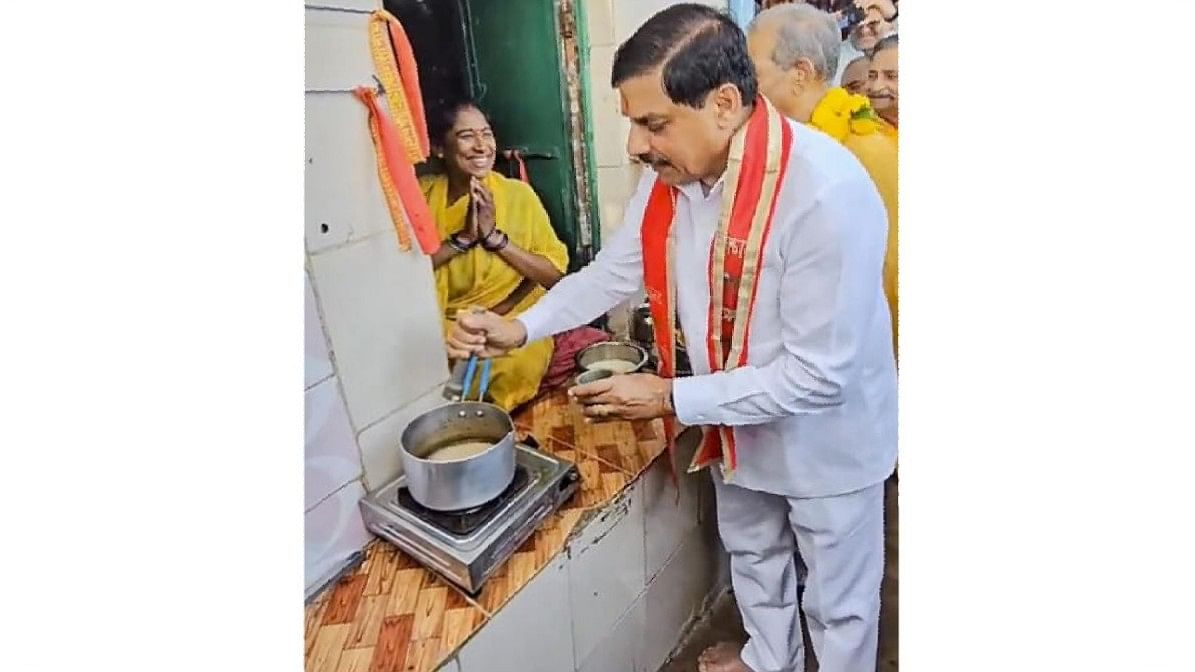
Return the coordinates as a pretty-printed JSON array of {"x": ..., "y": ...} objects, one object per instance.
[
  {"x": 394, "y": 61},
  {"x": 403, "y": 142},
  {"x": 397, "y": 174},
  {"x": 517, "y": 156}
]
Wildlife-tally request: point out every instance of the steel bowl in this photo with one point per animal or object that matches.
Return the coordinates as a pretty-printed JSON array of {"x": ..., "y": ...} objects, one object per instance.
[
  {"x": 592, "y": 375},
  {"x": 620, "y": 350}
]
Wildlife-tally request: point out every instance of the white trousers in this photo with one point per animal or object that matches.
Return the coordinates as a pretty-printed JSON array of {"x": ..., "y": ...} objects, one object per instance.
[{"x": 841, "y": 542}]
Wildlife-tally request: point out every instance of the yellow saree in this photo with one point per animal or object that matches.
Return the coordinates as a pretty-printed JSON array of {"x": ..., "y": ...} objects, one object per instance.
[{"x": 481, "y": 278}]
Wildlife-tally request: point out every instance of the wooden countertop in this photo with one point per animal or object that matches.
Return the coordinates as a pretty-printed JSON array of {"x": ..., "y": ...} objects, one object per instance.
[{"x": 392, "y": 615}]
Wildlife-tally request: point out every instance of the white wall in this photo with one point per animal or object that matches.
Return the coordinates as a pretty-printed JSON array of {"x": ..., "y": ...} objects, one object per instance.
[
  {"x": 374, "y": 348},
  {"x": 621, "y": 596}
]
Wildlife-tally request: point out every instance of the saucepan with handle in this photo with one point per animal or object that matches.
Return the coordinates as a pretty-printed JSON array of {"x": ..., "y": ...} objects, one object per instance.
[{"x": 460, "y": 455}]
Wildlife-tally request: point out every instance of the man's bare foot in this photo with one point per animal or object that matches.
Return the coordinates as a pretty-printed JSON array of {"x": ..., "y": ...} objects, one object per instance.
[{"x": 722, "y": 657}]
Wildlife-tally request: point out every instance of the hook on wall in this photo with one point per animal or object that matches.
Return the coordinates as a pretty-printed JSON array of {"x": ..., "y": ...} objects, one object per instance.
[{"x": 381, "y": 90}]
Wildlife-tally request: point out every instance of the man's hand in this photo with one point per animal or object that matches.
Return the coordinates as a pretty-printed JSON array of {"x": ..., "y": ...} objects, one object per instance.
[
  {"x": 636, "y": 396},
  {"x": 484, "y": 333}
]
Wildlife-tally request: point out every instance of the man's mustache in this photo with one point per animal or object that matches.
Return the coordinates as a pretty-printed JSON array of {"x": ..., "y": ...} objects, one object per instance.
[{"x": 652, "y": 159}]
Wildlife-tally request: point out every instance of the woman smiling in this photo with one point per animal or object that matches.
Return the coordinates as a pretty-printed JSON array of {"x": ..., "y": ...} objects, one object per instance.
[{"x": 499, "y": 252}]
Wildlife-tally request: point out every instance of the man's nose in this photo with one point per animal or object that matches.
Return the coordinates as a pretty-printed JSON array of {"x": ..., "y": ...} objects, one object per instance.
[{"x": 637, "y": 143}]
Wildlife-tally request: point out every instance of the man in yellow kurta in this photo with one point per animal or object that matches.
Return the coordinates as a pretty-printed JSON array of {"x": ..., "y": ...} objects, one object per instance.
[
  {"x": 499, "y": 251},
  {"x": 795, "y": 48}
]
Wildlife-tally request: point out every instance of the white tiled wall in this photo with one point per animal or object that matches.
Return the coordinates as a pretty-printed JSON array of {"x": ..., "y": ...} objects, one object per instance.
[
  {"x": 379, "y": 308},
  {"x": 374, "y": 344},
  {"x": 332, "y": 533},
  {"x": 666, "y": 522},
  {"x": 675, "y": 596},
  {"x": 331, "y": 457},
  {"x": 336, "y": 55},
  {"x": 317, "y": 363},
  {"x": 532, "y": 633},
  {"x": 606, "y": 573},
  {"x": 596, "y": 608},
  {"x": 342, "y": 198},
  {"x": 600, "y": 14},
  {"x": 623, "y": 648}
]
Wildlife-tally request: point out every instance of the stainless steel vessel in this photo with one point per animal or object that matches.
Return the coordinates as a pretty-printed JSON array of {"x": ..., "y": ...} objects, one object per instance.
[
  {"x": 591, "y": 376},
  {"x": 620, "y": 350},
  {"x": 455, "y": 485}
]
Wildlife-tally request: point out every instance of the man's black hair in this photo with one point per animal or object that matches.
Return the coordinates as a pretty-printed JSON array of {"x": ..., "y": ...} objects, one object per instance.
[{"x": 699, "y": 48}]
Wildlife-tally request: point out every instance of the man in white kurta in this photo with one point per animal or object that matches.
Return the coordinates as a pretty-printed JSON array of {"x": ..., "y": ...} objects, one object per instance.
[{"x": 814, "y": 411}]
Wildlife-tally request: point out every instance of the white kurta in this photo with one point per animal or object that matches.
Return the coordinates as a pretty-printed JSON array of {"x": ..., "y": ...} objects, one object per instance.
[{"x": 815, "y": 411}]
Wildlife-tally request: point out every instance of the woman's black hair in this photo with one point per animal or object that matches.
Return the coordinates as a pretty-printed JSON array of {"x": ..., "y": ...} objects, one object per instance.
[{"x": 443, "y": 118}]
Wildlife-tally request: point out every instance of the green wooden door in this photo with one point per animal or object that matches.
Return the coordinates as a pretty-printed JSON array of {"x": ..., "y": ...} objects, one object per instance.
[{"x": 517, "y": 74}]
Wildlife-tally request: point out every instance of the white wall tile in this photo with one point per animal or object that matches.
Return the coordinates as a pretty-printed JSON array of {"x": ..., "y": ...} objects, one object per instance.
[
  {"x": 610, "y": 128},
  {"x": 336, "y": 53},
  {"x": 532, "y": 633},
  {"x": 676, "y": 595},
  {"x": 342, "y": 198},
  {"x": 330, "y": 452},
  {"x": 630, "y": 14},
  {"x": 380, "y": 312},
  {"x": 606, "y": 570},
  {"x": 601, "y": 23},
  {"x": 666, "y": 523},
  {"x": 317, "y": 364},
  {"x": 332, "y": 533},
  {"x": 615, "y": 187},
  {"x": 623, "y": 649},
  {"x": 380, "y": 442}
]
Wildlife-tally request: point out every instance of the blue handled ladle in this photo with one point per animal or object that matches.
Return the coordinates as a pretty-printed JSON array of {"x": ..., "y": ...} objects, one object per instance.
[
  {"x": 471, "y": 368},
  {"x": 483, "y": 384}
]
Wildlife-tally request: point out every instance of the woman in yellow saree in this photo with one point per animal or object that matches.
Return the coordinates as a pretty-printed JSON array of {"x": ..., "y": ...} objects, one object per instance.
[{"x": 499, "y": 251}]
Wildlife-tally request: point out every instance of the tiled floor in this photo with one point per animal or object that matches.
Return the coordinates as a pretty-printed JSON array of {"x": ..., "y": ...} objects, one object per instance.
[
  {"x": 723, "y": 623},
  {"x": 392, "y": 615}
]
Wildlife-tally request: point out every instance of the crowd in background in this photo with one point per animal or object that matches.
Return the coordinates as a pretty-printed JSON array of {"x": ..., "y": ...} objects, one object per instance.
[
  {"x": 833, "y": 65},
  {"x": 868, "y": 56}
]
